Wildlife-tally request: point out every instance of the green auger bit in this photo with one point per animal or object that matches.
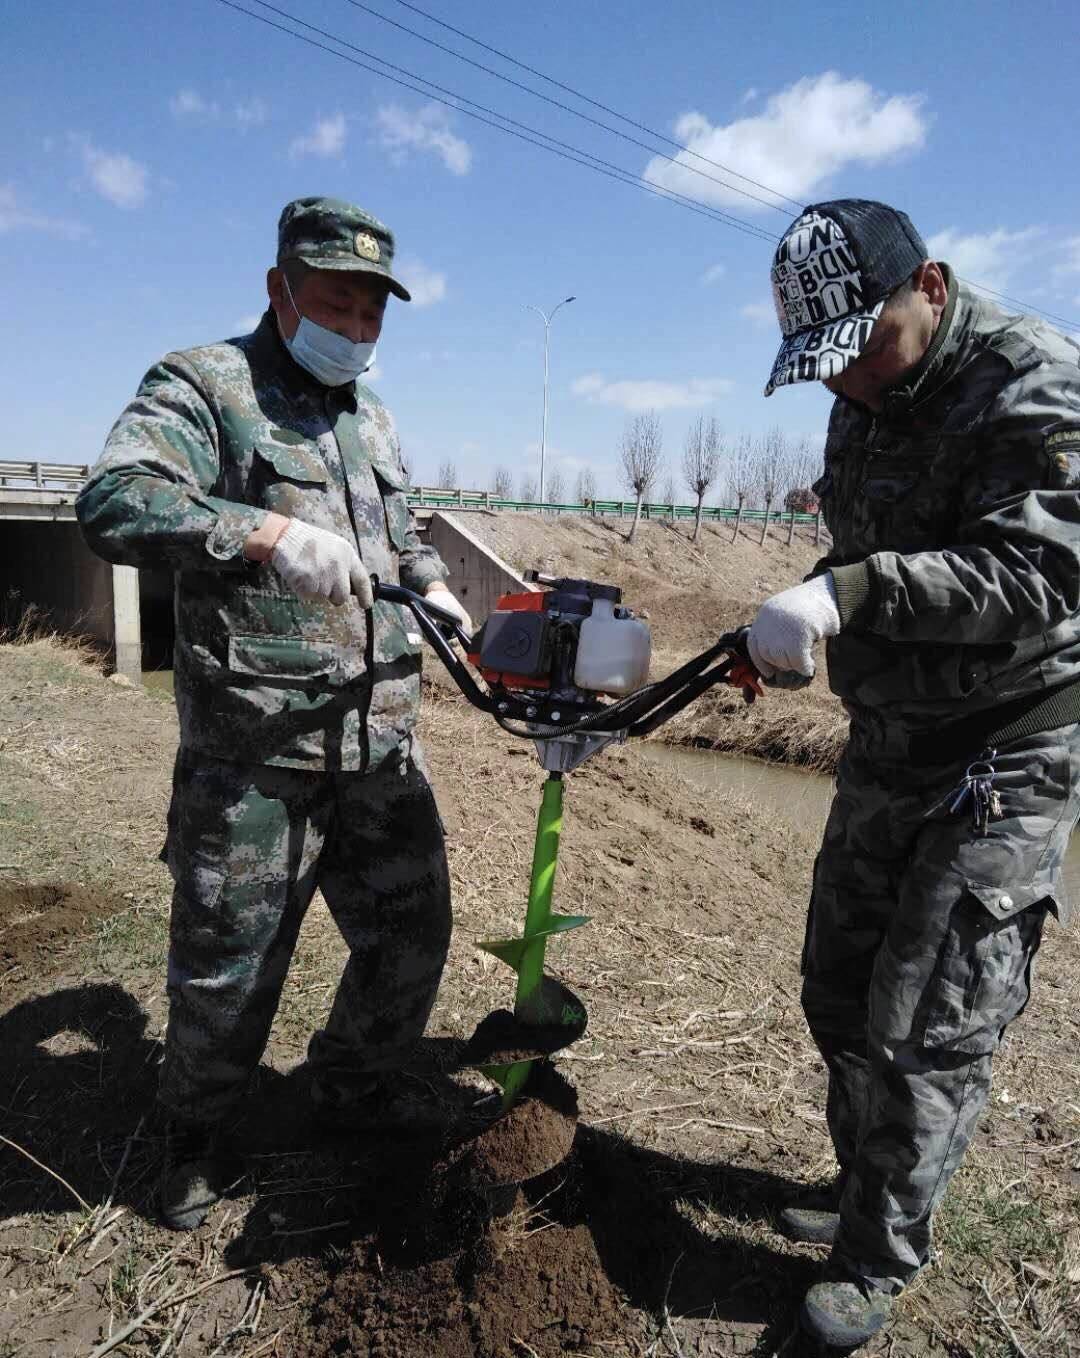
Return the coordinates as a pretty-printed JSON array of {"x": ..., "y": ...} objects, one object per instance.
[{"x": 541, "y": 1003}]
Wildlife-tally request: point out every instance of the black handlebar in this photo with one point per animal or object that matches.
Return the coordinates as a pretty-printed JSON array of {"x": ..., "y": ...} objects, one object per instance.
[{"x": 638, "y": 713}]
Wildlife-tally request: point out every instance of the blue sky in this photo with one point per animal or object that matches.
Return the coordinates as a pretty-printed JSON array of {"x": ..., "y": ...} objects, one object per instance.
[{"x": 148, "y": 150}]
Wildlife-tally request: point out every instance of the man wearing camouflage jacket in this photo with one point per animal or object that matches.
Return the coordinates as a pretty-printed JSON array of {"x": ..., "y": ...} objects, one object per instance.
[
  {"x": 270, "y": 480},
  {"x": 950, "y": 602}
]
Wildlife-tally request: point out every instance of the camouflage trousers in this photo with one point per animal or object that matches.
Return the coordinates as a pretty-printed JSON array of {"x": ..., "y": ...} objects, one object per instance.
[
  {"x": 247, "y": 847},
  {"x": 919, "y": 948}
]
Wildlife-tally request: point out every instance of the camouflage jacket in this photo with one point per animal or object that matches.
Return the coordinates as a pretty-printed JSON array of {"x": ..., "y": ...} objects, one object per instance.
[
  {"x": 955, "y": 516},
  {"x": 216, "y": 437}
]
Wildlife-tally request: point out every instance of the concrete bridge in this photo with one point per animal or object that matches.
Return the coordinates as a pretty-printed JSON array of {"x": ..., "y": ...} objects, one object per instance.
[{"x": 46, "y": 566}]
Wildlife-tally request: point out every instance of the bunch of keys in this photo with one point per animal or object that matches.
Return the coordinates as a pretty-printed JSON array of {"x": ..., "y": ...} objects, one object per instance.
[{"x": 978, "y": 786}]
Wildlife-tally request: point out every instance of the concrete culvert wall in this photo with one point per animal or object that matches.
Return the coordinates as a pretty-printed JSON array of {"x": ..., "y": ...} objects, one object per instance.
[
  {"x": 50, "y": 578},
  {"x": 47, "y": 569}
]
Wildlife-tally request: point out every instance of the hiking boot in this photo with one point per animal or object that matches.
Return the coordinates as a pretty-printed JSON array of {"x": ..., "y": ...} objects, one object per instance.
[
  {"x": 195, "y": 1175},
  {"x": 387, "y": 1104},
  {"x": 844, "y": 1311},
  {"x": 814, "y": 1217}
]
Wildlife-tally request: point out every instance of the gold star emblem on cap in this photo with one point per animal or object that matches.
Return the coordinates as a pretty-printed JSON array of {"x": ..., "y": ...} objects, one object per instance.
[{"x": 367, "y": 247}]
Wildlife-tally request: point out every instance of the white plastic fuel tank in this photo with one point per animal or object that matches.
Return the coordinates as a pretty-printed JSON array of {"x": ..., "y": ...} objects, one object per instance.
[{"x": 613, "y": 653}]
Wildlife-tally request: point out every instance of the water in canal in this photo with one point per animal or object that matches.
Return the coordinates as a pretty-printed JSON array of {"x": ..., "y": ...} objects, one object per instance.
[{"x": 799, "y": 797}]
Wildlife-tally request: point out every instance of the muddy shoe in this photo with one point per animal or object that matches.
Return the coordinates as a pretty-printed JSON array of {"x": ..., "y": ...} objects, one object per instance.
[
  {"x": 195, "y": 1175},
  {"x": 814, "y": 1218},
  {"x": 389, "y": 1104},
  {"x": 843, "y": 1312}
]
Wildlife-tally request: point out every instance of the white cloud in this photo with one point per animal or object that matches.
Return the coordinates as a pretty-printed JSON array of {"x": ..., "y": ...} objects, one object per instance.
[
  {"x": 750, "y": 95},
  {"x": 651, "y": 394},
  {"x": 246, "y": 324},
  {"x": 760, "y": 313},
  {"x": 804, "y": 134},
  {"x": 1071, "y": 263},
  {"x": 568, "y": 463},
  {"x": 15, "y": 217},
  {"x": 713, "y": 274},
  {"x": 426, "y": 129},
  {"x": 425, "y": 285},
  {"x": 989, "y": 258},
  {"x": 253, "y": 113},
  {"x": 115, "y": 175},
  {"x": 326, "y": 139},
  {"x": 191, "y": 104}
]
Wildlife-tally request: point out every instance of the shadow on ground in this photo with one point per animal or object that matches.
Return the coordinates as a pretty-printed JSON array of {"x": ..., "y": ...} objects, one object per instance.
[{"x": 616, "y": 1244}]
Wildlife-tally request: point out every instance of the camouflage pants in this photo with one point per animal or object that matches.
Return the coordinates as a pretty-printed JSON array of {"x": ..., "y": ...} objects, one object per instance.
[
  {"x": 919, "y": 949},
  {"x": 247, "y": 847}
]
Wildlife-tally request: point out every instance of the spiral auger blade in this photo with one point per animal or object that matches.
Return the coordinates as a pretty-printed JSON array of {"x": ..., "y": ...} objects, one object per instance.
[{"x": 542, "y": 1004}]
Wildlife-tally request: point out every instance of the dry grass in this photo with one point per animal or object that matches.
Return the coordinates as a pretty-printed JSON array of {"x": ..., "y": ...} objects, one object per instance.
[
  {"x": 34, "y": 626},
  {"x": 696, "y": 1048}
]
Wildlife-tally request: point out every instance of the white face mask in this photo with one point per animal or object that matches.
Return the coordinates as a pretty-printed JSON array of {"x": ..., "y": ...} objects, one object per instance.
[{"x": 331, "y": 358}]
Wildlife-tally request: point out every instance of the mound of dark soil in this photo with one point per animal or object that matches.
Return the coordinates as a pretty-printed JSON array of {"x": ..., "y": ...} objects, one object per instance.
[
  {"x": 586, "y": 1259},
  {"x": 532, "y": 1138},
  {"x": 536, "y": 1286},
  {"x": 36, "y": 922}
]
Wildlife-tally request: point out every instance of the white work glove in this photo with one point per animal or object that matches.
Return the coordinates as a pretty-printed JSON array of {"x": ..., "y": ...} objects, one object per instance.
[
  {"x": 790, "y": 623},
  {"x": 442, "y": 598},
  {"x": 317, "y": 564}
]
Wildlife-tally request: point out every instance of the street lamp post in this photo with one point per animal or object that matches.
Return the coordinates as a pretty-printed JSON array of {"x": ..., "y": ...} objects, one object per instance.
[{"x": 543, "y": 429}]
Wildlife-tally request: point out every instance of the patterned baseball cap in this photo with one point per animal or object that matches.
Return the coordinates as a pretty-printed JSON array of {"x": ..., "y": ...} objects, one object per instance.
[
  {"x": 832, "y": 274},
  {"x": 327, "y": 233}
]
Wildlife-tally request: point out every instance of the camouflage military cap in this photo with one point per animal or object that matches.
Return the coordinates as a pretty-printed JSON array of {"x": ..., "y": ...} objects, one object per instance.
[{"x": 327, "y": 233}]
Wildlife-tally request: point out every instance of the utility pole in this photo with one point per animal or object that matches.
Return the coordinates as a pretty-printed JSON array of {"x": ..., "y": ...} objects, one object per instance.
[{"x": 543, "y": 428}]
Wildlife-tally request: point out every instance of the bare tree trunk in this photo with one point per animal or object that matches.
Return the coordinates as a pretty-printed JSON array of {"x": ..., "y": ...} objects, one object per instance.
[
  {"x": 765, "y": 523},
  {"x": 697, "y": 519},
  {"x": 791, "y": 528},
  {"x": 738, "y": 520},
  {"x": 817, "y": 529},
  {"x": 637, "y": 517}
]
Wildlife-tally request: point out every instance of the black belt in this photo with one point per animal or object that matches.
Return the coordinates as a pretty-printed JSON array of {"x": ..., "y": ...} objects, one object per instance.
[{"x": 997, "y": 726}]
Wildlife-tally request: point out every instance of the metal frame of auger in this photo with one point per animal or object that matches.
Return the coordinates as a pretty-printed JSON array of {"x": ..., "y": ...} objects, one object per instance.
[{"x": 541, "y": 1001}]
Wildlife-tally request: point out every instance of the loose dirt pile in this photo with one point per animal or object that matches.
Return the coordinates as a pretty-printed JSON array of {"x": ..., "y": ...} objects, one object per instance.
[
  {"x": 38, "y": 922},
  {"x": 538, "y": 1277}
]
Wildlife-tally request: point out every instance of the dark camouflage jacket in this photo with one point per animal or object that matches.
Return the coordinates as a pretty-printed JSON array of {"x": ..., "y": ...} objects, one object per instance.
[
  {"x": 955, "y": 516},
  {"x": 215, "y": 437}
]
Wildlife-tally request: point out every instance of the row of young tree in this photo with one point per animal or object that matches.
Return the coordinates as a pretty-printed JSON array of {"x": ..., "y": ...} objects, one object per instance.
[{"x": 769, "y": 471}]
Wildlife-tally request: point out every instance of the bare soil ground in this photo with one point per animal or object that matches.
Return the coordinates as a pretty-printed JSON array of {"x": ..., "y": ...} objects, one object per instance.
[{"x": 700, "y": 1094}]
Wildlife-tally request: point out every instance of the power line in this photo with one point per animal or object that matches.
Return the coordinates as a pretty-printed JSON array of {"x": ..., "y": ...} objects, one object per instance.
[
  {"x": 533, "y": 136},
  {"x": 558, "y": 103},
  {"x": 660, "y": 136},
  {"x": 1016, "y": 301},
  {"x": 467, "y": 106},
  {"x": 569, "y": 89}
]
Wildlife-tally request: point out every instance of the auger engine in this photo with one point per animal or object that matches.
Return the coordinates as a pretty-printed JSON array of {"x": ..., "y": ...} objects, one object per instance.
[{"x": 561, "y": 647}]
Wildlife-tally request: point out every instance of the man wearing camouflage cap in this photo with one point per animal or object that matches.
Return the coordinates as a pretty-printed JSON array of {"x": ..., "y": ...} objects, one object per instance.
[
  {"x": 269, "y": 478},
  {"x": 950, "y": 602}
]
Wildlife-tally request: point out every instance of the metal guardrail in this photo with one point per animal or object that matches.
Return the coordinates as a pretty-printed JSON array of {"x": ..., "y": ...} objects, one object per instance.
[
  {"x": 42, "y": 475},
  {"x": 428, "y": 498},
  {"x": 69, "y": 476}
]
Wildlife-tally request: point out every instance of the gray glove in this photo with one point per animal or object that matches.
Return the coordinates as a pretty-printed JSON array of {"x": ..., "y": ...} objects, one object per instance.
[
  {"x": 317, "y": 564},
  {"x": 790, "y": 623}
]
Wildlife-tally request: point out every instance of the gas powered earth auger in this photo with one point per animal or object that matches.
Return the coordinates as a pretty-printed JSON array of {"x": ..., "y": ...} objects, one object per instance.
[{"x": 565, "y": 667}]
